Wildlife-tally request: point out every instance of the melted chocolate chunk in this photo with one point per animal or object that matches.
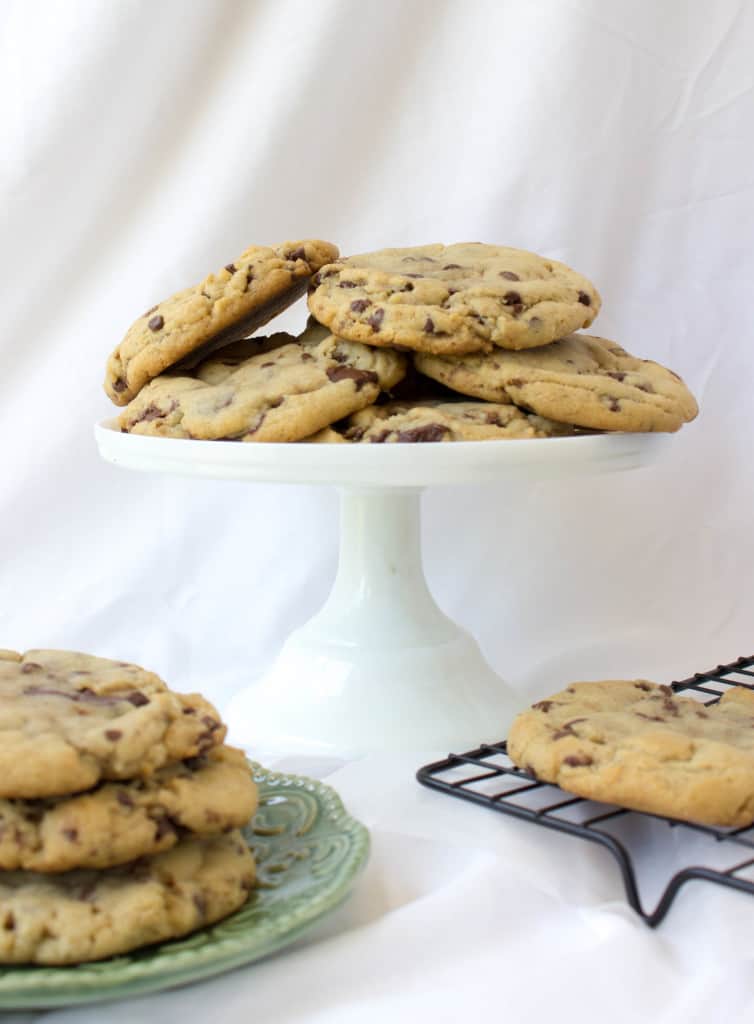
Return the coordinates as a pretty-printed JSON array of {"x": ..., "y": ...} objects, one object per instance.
[
  {"x": 360, "y": 377},
  {"x": 164, "y": 826},
  {"x": 71, "y": 834},
  {"x": 584, "y": 299},
  {"x": 407, "y": 287},
  {"x": 616, "y": 375},
  {"x": 359, "y": 305},
  {"x": 643, "y": 686},
  {"x": 430, "y": 432},
  {"x": 119, "y": 385},
  {"x": 578, "y": 760},
  {"x": 30, "y": 666},
  {"x": 375, "y": 320},
  {"x": 429, "y": 326},
  {"x": 512, "y": 299},
  {"x": 347, "y": 284},
  {"x": 87, "y": 696},
  {"x": 297, "y": 254},
  {"x": 509, "y": 275},
  {"x": 452, "y": 266},
  {"x": 543, "y": 705},
  {"x": 231, "y": 268},
  {"x": 156, "y": 323},
  {"x": 152, "y": 412},
  {"x": 137, "y": 699},
  {"x": 113, "y": 734},
  {"x": 123, "y": 798},
  {"x": 249, "y": 278},
  {"x": 614, "y": 405}
]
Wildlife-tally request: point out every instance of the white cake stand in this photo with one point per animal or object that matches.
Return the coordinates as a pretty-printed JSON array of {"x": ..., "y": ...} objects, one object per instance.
[{"x": 380, "y": 667}]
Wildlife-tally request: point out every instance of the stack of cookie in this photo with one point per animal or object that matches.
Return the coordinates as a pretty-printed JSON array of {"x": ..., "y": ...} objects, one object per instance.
[
  {"x": 120, "y": 810},
  {"x": 436, "y": 343}
]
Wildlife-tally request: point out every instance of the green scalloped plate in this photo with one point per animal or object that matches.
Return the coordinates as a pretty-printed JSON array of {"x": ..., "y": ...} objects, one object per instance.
[{"x": 308, "y": 851}]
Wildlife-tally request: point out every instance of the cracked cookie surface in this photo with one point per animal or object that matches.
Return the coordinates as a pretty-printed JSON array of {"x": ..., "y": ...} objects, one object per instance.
[
  {"x": 226, "y": 305},
  {"x": 639, "y": 745},
  {"x": 583, "y": 380},
  {"x": 118, "y": 822},
  {"x": 429, "y": 420},
  {"x": 285, "y": 394},
  {"x": 89, "y": 915},
  {"x": 69, "y": 720},
  {"x": 452, "y": 299}
]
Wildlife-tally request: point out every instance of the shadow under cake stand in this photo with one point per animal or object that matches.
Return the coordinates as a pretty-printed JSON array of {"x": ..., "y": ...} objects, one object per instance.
[{"x": 380, "y": 666}]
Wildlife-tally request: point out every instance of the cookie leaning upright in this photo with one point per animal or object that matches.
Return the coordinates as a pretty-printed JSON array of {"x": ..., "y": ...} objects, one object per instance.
[
  {"x": 452, "y": 299},
  {"x": 69, "y": 720},
  {"x": 225, "y": 306}
]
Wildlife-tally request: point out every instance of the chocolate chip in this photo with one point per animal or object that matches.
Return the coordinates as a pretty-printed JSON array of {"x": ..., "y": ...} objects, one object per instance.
[
  {"x": 411, "y": 259},
  {"x": 152, "y": 412},
  {"x": 643, "y": 686},
  {"x": 429, "y": 326},
  {"x": 123, "y": 798},
  {"x": 149, "y": 312},
  {"x": 119, "y": 385},
  {"x": 189, "y": 711},
  {"x": 210, "y": 722},
  {"x": 408, "y": 287},
  {"x": 265, "y": 365},
  {"x": 645, "y": 387},
  {"x": 71, "y": 834},
  {"x": 360, "y": 377},
  {"x": 578, "y": 760},
  {"x": 517, "y": 309},
  {"x": 509, "y": 275},
  {"x": 614, "y": 405},
  {"x": 231, "y": 268},
  {"x": 515, "y": 382},
  {"x": 137, "y": 699},
  {"x": 512, "y": 299},
  {"x": 535, "y": 322},
  {"x": 375, "y": 320},
  {"x": 430, "y": 432},
  {"x": 306, "y": 357},
  {"x": 156, "y": 323},
  {"x": 584, "y": 299},
  {"x": 452, "y": 266},
  {"x": 316, "y": 280},
  {"x": 616, "y": 375},
  {"x": 164, "y": 826},
  {"x": 200, "y": 903},
  {"x": 30, "y": 666},
  {"x": 543, "y": 705},
  {"x": 9, "y": 922},
  {"x": 113, "y": 734},
  {"x": 249, "y": 278},
  {"x": 347, "y": 284},
  {"x": 359, "y": 305},
  {"x": 413, "y": 275},
  {"x": 297, "y": 254}
]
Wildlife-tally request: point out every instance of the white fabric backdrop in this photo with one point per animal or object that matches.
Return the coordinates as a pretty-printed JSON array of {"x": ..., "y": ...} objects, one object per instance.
[{"x": 144, "y": 143}]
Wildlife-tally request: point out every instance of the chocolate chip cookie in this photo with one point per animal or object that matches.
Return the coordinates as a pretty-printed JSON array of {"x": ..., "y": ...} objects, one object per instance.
[
  {"x": 583, "y": 380},
  {"x": 118, "y": 822},
  {"x": 282, "y": 395},
  {"x": 69, "y": 720},
  {"x": 89, "y": 915},
  {"x": 446, "y": 421},
  {"x": 638, "y": 745},
  {"x": 452, "y": 299},
  {"x": 229, "y": 304}
]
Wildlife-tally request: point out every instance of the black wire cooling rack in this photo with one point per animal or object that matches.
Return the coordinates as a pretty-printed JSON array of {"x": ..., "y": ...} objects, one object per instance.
[{"x": 487, "y": 776}]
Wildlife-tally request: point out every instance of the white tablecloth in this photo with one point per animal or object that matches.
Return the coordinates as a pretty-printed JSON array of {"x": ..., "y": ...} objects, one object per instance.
[{"x": 462, "y": 913}]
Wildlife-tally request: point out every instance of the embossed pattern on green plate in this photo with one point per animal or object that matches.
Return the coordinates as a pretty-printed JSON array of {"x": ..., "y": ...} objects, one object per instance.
[{"x": 308, "y": 851}]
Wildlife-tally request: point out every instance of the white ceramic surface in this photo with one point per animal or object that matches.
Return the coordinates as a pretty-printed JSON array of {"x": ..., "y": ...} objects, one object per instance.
[{"x": 380, "y": 667}]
